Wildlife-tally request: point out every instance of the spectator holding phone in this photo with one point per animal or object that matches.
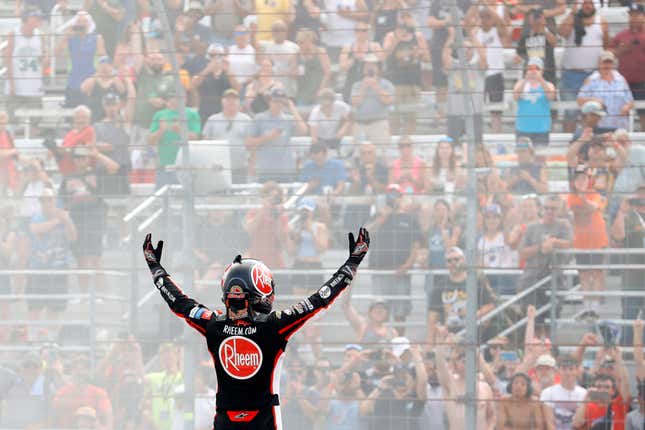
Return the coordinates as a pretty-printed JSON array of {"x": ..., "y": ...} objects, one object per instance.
[
  {"x": 628, "y": 229},
  {"x": 371, "y": 98},
  {"x": 165, "y": 133},
  {"x": 396, "y": 251},
  {"x": 398, "y": 398},
  {"x": 534, "y": 95},
  {"x": 269, "y": 140},
  {"x": 104, "y": 81},
  {"x": 561, "y": 400},
  {"x": 589, "y": 232},
  {"x": 603, "y": 407},
  {"x": 342, "y": 405}
]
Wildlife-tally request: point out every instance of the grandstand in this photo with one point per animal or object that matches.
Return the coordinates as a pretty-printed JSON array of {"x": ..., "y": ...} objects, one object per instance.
[{"x": 316, "y": 117}]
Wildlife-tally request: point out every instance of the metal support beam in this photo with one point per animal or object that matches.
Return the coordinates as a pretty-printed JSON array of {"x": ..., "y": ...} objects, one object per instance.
[{"x": 471, "y": 191}]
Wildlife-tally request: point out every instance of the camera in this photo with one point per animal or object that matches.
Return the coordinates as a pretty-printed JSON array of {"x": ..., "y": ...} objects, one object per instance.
[{"x": 610, "y": 333}]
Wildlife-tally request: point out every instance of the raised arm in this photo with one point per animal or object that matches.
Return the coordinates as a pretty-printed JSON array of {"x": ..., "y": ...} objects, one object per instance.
[
  {"x": 356, "y": 320},
  {"x": 290, "y": 320},
  {"x": 195, "y": 314},
  {"x": 639, "y": 363}
]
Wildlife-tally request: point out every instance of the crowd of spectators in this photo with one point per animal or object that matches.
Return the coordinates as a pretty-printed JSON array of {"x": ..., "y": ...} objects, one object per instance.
[{"x": 351, "y": 77}]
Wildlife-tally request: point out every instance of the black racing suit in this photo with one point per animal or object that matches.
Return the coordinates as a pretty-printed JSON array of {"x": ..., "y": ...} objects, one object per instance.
[{"x": 248, "y": 353}]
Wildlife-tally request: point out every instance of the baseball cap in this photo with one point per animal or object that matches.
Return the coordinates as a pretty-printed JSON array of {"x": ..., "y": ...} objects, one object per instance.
[
  {"x": 636, "y": 7},
  {"x": 593, "y": 107},
  {"x": 536, "y": 61},
  {"x": 545, "y": 360},
  {"x": 377, "y": 301},
  {"x": 196, "y": 6},
  {"x": 493, "y": 209},
  {"x": 400, "y": 345},
  {"x": 445, "y": 138},
  {"x": 32, "y": 12},
  {"x": 231, "y": 92},
  {"x": 353, "y": 346},
  {"x": 277, "y": 92},
  {"x": 306, "y": 203},
  {"x": 524, "y": 143},
  {"x": 608, "y": 56}
]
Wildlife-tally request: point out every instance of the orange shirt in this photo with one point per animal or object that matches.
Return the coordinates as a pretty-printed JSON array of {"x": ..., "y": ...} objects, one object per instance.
[
  {"x": 589, "y": 230},
  {"x": 8, "y": 171},
  {"x": 619, "y": 409}
]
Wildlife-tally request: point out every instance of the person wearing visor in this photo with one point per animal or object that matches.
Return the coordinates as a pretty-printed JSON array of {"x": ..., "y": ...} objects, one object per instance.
[{"x": 248, "y": 340}]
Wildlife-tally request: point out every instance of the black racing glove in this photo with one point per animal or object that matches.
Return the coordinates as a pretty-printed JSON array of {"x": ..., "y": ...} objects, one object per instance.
[
  {"x": 358, "y": 248},
  {"x": 153, "y": 257}
]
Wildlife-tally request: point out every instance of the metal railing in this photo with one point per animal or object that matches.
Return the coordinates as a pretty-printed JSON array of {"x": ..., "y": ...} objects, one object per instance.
[{"x": 92, "y": 296}]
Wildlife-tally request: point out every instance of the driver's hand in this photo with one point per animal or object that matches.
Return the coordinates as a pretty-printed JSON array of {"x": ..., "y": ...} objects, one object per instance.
[{"x": 358, "y": 247}]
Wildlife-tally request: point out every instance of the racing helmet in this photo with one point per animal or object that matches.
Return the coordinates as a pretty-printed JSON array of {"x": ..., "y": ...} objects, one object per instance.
[{"x": 248, "y": 283}]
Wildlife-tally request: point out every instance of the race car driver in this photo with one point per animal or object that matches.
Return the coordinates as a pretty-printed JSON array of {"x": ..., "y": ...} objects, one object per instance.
[{"x": 247, "y": 342}]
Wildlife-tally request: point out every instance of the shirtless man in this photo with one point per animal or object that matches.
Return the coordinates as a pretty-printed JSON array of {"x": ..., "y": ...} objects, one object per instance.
[{"x": 453, "y": 384}]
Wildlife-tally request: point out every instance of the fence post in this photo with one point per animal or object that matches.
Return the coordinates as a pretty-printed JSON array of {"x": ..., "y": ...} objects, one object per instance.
[
  {"x": 553, "y": 312},
  {"x": 134, "y": 282},
  {"x": 92, "y": 319}
]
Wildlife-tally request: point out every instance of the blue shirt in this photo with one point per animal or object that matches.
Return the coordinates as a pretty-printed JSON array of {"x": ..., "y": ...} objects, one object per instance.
[
  {"x": 614, "y": 95},
  {"x": 274, "y": 158},
  {"x": 533, "y": 111},
  {"x": 81, "y": 51},
  {"x": 329, "y": 174}
]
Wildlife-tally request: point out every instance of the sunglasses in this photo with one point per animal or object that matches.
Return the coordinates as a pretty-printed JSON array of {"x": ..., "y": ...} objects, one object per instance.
[
  {"x": 453, "y": 260},
  {"x": 361, "y": 30}
]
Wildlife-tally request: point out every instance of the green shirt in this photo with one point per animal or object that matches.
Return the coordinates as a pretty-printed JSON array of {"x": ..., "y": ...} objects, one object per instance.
[
  {"x": 160, "y": 388},
  {"x": 147, "y": 87},
  {"x": 168, "y": 146}
]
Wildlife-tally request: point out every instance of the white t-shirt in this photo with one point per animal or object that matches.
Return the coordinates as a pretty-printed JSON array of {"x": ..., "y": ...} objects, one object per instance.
[
  {"x": 281, "y": 54},
  {"x": 564, "y": 403},
  {"x": 328, "y": 125},
  {"x": 242, "y": 63},
  {"x": 339, "y": 30},
  {"x": 494, "y": 253},
  {"x": 204, "y": 411},
  {"x": 494, "y": 50}
]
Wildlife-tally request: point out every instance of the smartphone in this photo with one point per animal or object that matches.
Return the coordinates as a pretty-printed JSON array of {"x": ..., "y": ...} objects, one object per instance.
[
  {"x": 599, "y": 396},
  {"x": 509, "y": 355}
]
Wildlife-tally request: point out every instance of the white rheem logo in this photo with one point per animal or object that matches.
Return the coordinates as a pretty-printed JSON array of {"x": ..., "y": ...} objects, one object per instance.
[{"x": 240, "y": 357}]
